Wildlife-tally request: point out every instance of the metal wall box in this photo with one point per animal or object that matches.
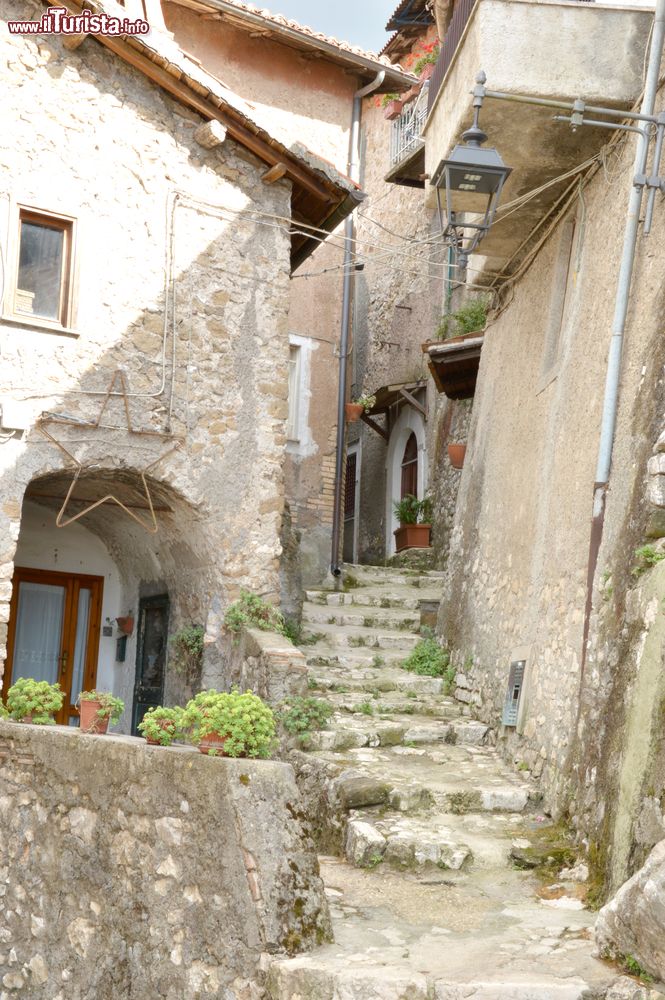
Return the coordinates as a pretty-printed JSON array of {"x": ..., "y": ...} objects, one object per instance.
[{"x": 514, "y": 693}]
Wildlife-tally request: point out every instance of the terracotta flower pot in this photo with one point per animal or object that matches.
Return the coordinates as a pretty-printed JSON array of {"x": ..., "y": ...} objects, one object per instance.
[
  {"x": 125, "y": 624},
  {"x": 168, "y": 725},
  {"x": 456, "y": 453},
  {"x": 212, "y": 742},
  {"x": 392, "y": 110},
  {"x": 90, "y": 721},
  {"x": 412, "y": 536},
  {"x": 353, "y": 411}
]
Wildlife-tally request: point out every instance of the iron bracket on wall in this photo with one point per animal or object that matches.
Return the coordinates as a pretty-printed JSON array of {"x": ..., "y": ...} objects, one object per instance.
[{"x": 375, "y": 427}]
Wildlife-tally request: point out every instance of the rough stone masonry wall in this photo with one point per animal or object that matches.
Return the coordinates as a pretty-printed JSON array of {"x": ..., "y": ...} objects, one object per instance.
[
  {"x": 91, "y": 137},
  {"x": 399, "y": 304},
  {"x": 521, "y": 535},
  {"x": 138, "y": 872}
]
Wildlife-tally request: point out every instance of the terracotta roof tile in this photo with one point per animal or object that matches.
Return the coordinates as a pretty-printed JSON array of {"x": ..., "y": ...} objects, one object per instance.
[{"x": 285, "y": 22}]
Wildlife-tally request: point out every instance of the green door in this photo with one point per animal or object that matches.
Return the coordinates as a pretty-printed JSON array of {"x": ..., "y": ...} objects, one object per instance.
[{"x": 150, "y": 656}]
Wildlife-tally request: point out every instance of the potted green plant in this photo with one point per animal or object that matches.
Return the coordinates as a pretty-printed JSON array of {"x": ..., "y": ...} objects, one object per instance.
[
  {"x": 392, "y": 106},
  {"x": 34, "y": 701},
  {"x": 160, "y": 726},
  {"x": 415, "y": 526},
  {"x": 97, "y": 709},
  {"x": 468, "y": 320},
  {"x": 231, "y": 724},
  {"x": 355, "y": 410}
]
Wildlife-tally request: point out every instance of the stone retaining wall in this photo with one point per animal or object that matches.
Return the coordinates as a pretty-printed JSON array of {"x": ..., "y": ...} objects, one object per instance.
[
  {"x": 265, "y": 662},
  {"x": 137, "y": 872}
]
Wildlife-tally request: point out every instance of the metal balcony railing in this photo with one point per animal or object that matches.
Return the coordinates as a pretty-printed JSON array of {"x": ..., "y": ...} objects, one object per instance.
[
  {"x": 407, "y": 130},
  {"x": 458, "y": 22}
]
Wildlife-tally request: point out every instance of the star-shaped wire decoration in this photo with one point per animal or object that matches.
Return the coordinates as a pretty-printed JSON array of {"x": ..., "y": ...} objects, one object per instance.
[{"x": 61, "y": 521}]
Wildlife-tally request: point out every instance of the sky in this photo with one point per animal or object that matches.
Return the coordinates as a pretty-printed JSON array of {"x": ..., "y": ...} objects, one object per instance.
[{"x": 361, "y": 22}]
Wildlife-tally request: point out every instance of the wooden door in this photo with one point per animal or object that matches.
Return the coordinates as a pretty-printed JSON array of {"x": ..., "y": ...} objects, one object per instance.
[
  {"x": 150, "y": 656},
  {"x": 410, "y": 468},
  {"x": 54, "y": 626}
]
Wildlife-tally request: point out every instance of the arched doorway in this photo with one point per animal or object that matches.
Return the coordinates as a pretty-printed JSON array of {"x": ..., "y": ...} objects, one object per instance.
[
  {"x": 406, "y": 466},
  {"x": 410, "y": 468},
  {"x": 71, "y": 584}
]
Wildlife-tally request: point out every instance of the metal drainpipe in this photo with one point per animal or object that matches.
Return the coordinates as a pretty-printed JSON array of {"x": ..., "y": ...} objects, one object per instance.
[
  {"x": 354, "y": 174},
  {"x": 611, "y": 400}
]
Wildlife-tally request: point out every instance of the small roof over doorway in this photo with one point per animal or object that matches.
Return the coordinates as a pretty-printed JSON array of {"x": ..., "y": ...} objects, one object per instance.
[
  {"x": 454, "y": 364},
  {"x": 390, "y": 396}
]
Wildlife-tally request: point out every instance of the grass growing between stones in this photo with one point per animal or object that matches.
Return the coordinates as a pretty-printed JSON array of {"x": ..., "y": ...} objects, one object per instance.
[
  {"x": 550, "y": 849},
  {"x": 633, "y": 968},
  {"x": 429, "y": 659},
  {"x": 299, "y": 716}
]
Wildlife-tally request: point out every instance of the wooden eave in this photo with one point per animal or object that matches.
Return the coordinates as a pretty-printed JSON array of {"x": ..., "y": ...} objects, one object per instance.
[
  {"x": 454, "y": 364},
  {"x": 316, "y": 198}
]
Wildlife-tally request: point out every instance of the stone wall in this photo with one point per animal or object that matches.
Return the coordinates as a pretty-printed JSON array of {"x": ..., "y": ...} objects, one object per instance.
[
  {"x": 181, "y": 290},
  {"x": 517, "y": 573},
  {"x": 305, "y": 101},
  {"x": 138, "y": 872},
  {"x": 266, "y": 662},
  {"x": 399, "y": 297}
]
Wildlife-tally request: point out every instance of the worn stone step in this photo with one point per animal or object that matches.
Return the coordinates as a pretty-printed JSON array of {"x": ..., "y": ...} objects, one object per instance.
[
  {"x": 392, "y": 703},
  {"x": 404, "y": 843},
  {"x": 396, "y": 597},
  {"x": 364, "y": 570},
  {"x": 368, "y": 619},
  {"x": 359, "y": 730},
  {"x": 456, "y": 778},
  {"x": 357, "y": 637},
  {"x": 376, "y": 577},
  {"x": 350, "y": 671}
]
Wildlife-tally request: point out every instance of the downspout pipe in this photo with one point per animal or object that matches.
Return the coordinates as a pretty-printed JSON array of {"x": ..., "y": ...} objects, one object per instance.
[
  {"x": 611, "y": 399},
  {"x": 353, "y": 169}
]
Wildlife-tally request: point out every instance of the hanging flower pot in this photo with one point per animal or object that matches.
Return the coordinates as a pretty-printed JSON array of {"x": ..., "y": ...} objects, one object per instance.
[
  {"x": 392, "y": 110},
  {"x": 456, "y": 453},
  {"x": 125, "y": 624},
  {"x": 353, "y": 411}
]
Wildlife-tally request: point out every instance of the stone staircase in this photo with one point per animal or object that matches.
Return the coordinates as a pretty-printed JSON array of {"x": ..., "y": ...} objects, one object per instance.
[{"x": 419, "y": 815}]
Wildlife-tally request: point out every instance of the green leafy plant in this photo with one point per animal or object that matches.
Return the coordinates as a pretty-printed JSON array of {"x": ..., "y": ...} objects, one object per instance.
[
  {"x": 4, "y": 714},
  {"x": 243, "y": 719},
  {"x": 36, "y": 700},
  {"x": 373, "y": 861},
  {"x": 649, "y": 556},
  {"x": 161, "y": 725},
  {"x": 110, "y": 707},
  {"x": 251, "y": 611},
  {"x": 431, "y": 55},
  {"x": 429, "y": 659},
  {"x": 411, "y": 510},
  {"x": 366, "y": 401},
  {"x": 364, "y": 707},
  {"x": 301, "y": 715},
  {"x": 387, "y": 98},
  {"x": 378, "y": 661},
  {"x": 470, "y": 318},
  {"x": 632, "y": 966},
  {"x": 187, "y": 651}
]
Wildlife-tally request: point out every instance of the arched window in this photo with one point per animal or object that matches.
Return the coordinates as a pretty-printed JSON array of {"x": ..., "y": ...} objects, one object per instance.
[{"x": 410, "y": 467}]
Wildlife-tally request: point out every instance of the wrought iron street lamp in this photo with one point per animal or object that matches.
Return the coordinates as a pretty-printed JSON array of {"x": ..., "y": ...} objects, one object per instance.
[{"x": 472, "y": 179}]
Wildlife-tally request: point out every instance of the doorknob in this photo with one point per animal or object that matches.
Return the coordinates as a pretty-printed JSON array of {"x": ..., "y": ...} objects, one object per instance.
[{"x": 63, "y": 669}]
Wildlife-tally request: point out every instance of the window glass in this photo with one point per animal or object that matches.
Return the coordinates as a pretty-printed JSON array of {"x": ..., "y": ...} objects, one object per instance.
[
  {"x": 40, "y": 270},
  {"x": 294, "y": 394}
]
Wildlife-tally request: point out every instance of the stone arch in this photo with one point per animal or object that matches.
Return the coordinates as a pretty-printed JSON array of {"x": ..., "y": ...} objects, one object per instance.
[
  {"x": 178, "y": 559},
  {"x": 409, "y": 422}
]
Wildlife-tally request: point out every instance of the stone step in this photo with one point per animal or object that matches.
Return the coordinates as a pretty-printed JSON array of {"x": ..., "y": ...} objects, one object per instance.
[
  {"x": 398, "y": 619},
  {"x": 358, "y": 730},
  {"x": 396, "y": 597},
  {"x": 363, "y": 570},
  {"x": 394, "y": 704},
  {"x": 404, "y": 844},
  {"x": 357, "y": 637},
  {"x": 332, "y": 669},
  {"x": 454, "y": 778},
  {"x": 378, "y": 577}
]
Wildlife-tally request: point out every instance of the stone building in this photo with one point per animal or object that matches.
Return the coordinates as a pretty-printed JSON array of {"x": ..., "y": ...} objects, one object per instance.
[
  {"x": 400, "y": 295},
  {"x": 145, "y": 353},
  {"x": 302, "y": 83},
  {"x": 556, "y": 628}
]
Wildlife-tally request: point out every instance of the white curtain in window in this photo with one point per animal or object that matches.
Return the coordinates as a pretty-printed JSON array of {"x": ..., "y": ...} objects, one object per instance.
[
  {"x": 82, "y": 621},
  {"x": 38, "y": 631}
]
